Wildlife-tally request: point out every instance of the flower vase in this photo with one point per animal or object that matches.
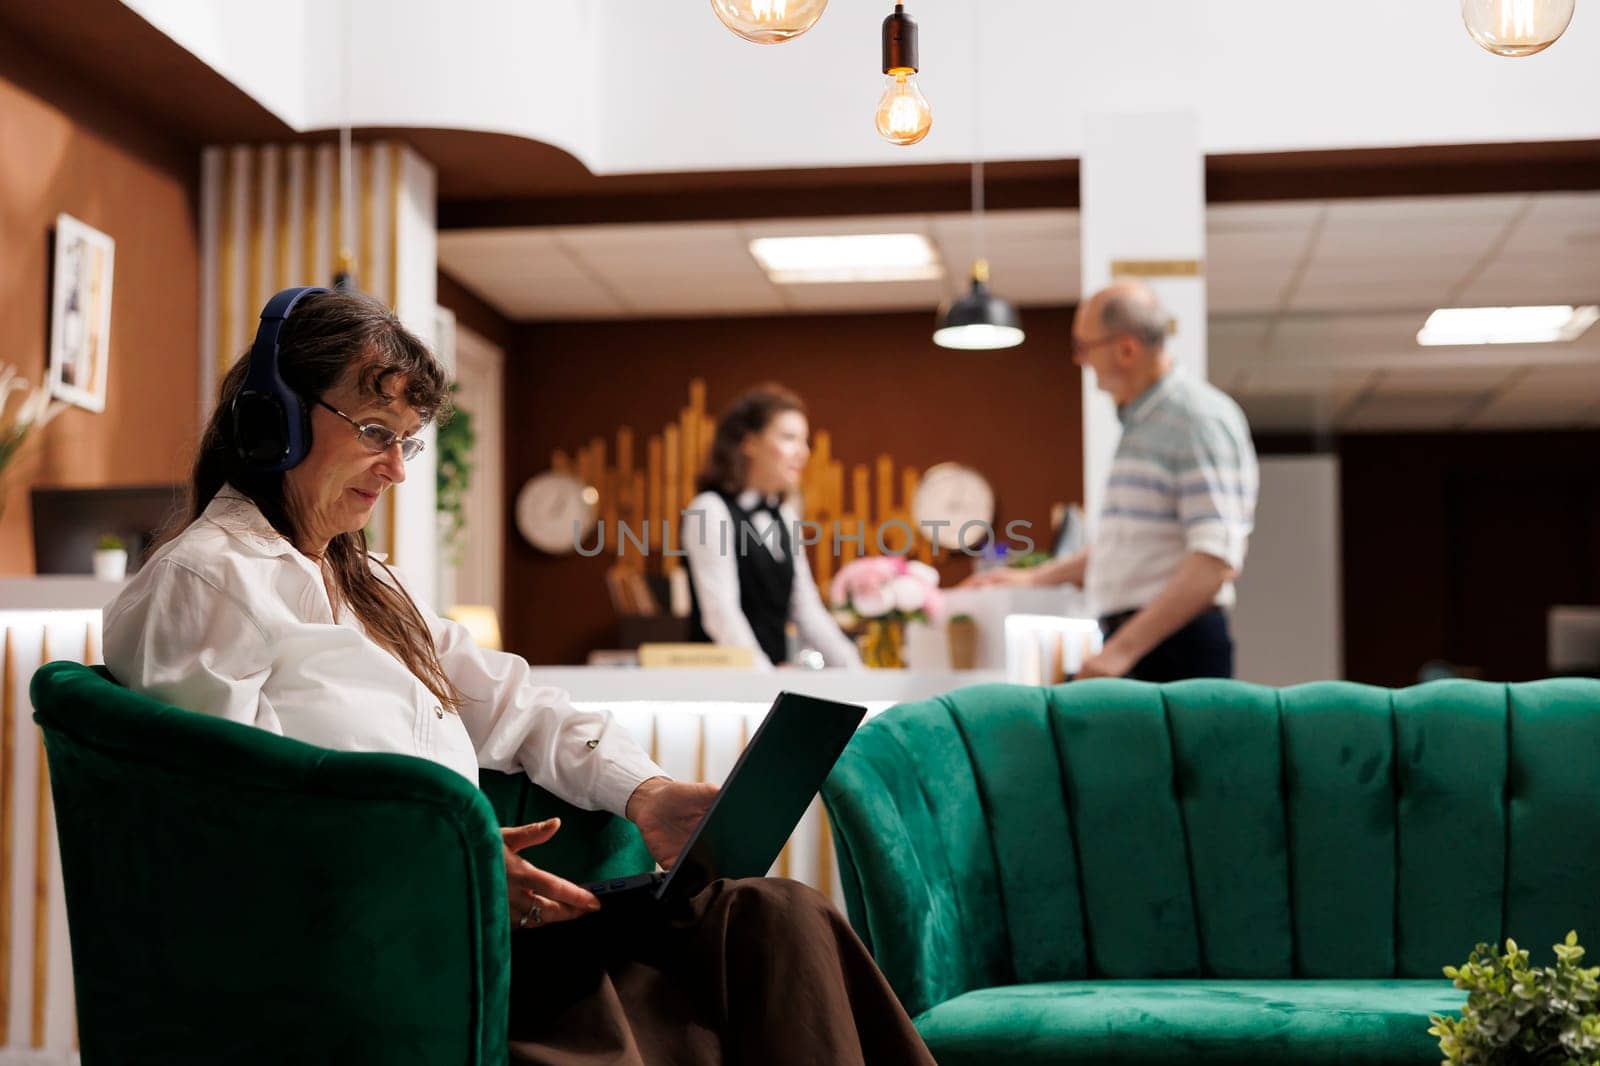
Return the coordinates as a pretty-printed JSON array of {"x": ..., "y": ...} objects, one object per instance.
[{"x": 883, "y": 646}]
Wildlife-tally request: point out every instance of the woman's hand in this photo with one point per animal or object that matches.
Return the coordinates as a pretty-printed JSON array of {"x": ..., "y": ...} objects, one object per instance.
[
  {"x": 533, "y": 896},
  {"x": 666, "y": 812}
]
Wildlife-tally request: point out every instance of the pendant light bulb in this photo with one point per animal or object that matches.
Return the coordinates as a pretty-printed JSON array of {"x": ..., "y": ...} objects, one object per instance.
[
  {"x": 769, "y": 21},
  {"x": 904, "y": 116},
  {"x": 1516, "y": 27}
]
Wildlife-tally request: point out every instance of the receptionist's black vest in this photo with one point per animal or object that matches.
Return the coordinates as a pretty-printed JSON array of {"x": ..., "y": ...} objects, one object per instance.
[{"x": 765, "y": 584}]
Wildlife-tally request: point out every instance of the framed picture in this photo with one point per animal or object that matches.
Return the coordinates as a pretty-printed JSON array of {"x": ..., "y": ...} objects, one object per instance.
[{"x": 80, "y": 314}]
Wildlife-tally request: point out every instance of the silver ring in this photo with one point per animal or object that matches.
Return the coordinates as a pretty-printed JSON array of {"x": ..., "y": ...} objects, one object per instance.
[{"x": 533, "y": 912}]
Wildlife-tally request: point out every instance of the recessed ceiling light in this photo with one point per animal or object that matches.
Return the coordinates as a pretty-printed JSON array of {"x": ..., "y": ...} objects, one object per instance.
[
  {"x": 1507, "y": 325},
  {"x": 858, "y": 257}
]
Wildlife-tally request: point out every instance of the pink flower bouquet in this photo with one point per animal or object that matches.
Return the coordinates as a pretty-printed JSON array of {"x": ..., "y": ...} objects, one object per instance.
[{"x": 887, "y": 587}]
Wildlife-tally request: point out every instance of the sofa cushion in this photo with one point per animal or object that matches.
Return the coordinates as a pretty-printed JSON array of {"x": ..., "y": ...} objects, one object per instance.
[{"x": 1126, "y": 1022}]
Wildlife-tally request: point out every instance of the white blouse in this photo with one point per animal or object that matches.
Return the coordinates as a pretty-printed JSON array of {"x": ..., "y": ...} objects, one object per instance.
[
  {"x": 230, "y": 619},
  {"x": 714, "y": 569}
]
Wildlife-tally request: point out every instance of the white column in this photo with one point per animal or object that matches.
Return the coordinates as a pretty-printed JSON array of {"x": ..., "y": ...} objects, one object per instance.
[
  {"x": 1143, "y": 213},
  {"x": 415, "y": 248}
]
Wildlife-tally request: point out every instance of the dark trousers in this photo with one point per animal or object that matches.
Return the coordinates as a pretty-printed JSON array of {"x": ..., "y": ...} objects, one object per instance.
[
  {"x": 1202, "y": 648},
  {"x": 759, "y": 972}
]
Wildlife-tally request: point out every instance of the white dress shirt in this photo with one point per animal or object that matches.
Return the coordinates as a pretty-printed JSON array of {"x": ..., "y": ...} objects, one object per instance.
[
  {"x": 714, "y": 569},
  {"x": 230, "y": 619}
]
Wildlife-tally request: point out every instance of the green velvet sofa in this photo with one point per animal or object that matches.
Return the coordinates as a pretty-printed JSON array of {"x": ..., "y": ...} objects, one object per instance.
[
  {"x": 237, "y": 897},
  {"x": 1209, "y": 871}
]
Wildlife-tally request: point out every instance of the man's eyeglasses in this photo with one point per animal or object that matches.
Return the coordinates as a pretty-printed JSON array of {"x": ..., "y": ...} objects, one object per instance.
[{"x": 379, "y": 438}]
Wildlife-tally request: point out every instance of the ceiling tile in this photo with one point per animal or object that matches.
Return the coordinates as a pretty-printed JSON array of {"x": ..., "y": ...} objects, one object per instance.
[
  {"x": 827, "y": 227},
  {"x": 882, "y": 296},
  {"x": 1445, "y": 211},
  {"x": 1288, "y": 413},
  {"x": 1287, "y": 216},
  {"x": 1545, "y": 396},
  {"x": 1387, "y": 413},
  {"x": 1268, "y": 378},
  {"x": 1454, "y": 380}
]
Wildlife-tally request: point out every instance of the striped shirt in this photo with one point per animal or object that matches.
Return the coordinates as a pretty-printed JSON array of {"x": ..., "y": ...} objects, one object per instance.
[{"x": 1183, "y": 480}]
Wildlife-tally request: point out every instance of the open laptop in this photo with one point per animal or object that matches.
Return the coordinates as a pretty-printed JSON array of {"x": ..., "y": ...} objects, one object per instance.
[{"x": 763, "y": 799}]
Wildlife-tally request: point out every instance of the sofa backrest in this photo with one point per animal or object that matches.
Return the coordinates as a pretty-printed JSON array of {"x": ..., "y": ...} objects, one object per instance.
[{"x": 1004, "y": 834}]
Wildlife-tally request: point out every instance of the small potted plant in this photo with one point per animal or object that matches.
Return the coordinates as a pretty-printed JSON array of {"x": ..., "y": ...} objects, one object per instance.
[
  {"x": 962, "y": 634},
  {"x": 1521, "y": 1014},
  {"x": 110, "y": 558}
]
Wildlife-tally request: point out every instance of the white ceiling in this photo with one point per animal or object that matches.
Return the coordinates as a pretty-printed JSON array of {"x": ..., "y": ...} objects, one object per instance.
[{"x": 1314, "y": 304}]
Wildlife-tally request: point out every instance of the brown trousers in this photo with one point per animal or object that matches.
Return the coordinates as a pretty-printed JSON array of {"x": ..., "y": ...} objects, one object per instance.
[{"x": 763, "y": 972}]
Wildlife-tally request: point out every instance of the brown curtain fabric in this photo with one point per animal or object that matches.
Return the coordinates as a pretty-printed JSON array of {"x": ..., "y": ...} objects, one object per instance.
[{"x": 758, "y": 971}]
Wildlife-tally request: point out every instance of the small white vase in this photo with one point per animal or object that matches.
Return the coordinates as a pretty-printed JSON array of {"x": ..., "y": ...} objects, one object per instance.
[{"x": 110, "y": 564}]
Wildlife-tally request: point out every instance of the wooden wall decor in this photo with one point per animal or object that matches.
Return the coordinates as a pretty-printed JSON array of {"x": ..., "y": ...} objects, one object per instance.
[
  {"x": 37, "y": 1009},
  {"x": 653, "y": 498}
]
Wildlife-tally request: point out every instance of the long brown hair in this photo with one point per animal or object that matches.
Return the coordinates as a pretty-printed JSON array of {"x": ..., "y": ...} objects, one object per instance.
[
  {"x": 726, "y": 466},
  {"x": 328, "y": 337}
]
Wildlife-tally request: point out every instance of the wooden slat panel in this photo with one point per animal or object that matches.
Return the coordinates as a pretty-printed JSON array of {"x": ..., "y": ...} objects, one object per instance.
[
  {"x": 228, "y": 249},
  {"x": 41, "y": 877}
]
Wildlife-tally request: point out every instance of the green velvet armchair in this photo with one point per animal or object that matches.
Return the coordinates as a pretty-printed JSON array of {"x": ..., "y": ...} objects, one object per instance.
[
  {"x": 234, "y": 896},
  {"x": 1212, "y": 871}
]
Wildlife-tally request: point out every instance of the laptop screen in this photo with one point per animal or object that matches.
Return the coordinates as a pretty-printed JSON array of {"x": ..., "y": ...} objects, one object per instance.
[{"x": 772, "y": 784}]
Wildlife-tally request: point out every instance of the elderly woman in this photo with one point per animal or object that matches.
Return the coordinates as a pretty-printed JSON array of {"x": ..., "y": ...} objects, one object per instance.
[{"x": 268, "y": 610}]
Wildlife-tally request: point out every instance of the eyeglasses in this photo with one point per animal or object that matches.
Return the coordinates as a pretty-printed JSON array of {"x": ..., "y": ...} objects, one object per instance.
[
  {"x": 379, "y": 438},
  {"x": 1082, "y": 348}
]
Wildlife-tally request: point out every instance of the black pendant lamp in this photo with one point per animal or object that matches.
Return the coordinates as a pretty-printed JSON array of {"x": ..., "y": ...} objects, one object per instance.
[{"x": 980, "y": 320}]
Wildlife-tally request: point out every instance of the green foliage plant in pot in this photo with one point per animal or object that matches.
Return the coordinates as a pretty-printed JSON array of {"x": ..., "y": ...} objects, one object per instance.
[
  {"x": 1518, "y": 1014},
  {"x": 455, "y": 442}
]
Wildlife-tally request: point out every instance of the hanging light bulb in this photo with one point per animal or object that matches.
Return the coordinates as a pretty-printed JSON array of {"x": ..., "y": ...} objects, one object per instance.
[
  {"x": 1516, "y": 27},
  {"x": 769, "y": 21},
  {"x": 904, "y": 116}
]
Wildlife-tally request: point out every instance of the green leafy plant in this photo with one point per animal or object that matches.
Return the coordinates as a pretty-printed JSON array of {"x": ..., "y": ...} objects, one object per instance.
[
  {"x": 31, "y": 412},
  {"x": 1519, "y": 1014},
  {"x": 1032, "y": 559},
  {"x": 110, "y": 542},
  {"x": 456, "y": 439}
]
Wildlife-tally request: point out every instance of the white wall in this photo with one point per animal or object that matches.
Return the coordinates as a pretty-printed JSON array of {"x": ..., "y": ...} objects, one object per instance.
[
  {"x": 263, "y": 46},
  {"x": 1288, "y": 626},
  {"x": 642, "y": 85}
]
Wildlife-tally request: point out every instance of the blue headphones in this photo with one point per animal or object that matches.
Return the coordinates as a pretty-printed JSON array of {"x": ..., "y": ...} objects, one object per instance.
[{"x": 271, "y": 425}]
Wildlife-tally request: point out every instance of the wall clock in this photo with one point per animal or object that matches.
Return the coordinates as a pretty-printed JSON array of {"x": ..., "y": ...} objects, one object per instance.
[
  {"x": 957, "y": 495},
  {"x": 555, "y": 511}
]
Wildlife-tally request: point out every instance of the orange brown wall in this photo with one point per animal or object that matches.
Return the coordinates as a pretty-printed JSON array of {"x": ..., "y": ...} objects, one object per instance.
[
  {"x": 877, "y": 383},
  {"x": 66, "y": 148}
]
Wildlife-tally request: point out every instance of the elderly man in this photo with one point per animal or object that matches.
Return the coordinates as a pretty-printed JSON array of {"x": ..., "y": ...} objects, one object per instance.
[{"x": 1179, "y": 504}]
